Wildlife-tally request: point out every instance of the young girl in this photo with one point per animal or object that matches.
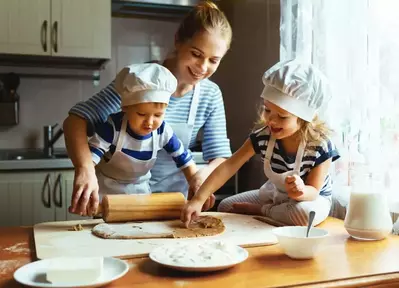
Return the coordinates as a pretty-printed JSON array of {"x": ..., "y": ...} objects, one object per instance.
[{"x": 294, "y": 147}]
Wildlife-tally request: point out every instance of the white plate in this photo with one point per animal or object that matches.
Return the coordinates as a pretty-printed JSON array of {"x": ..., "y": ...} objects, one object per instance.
[
  {"x": 157, "y": 255},
  {"x": 34, "y": 274}
]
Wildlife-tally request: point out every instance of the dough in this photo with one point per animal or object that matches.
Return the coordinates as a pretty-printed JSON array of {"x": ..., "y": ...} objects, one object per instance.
[
  {"x": 76, "y": 228},
  {"x": 202, "y": 226}
]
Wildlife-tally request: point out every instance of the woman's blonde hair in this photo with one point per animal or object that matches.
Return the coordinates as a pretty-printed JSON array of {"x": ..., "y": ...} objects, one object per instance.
[
  {"x": 314, "y": 131},
  {"x": 205, "y": 16}
]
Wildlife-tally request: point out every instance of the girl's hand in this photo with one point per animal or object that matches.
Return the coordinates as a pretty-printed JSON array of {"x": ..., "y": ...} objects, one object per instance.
[
  {"x": 247, "y": 208},
  {"x": 190, "y": 211},
  {"x": 294, "y": 186},
  {"x": 194, "y": 185}
]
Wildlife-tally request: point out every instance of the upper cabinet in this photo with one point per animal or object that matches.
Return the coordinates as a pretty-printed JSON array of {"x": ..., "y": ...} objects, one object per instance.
[
  {"x": 59, "y": 28},
  {"x": 25, "y": 27}
]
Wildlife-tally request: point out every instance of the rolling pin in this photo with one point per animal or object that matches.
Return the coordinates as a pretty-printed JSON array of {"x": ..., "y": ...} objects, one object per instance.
[{"x": 135, "y": 207}]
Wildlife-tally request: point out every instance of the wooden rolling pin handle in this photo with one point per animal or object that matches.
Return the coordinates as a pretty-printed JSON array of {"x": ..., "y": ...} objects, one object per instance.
[{"x": 134, "y": 207}]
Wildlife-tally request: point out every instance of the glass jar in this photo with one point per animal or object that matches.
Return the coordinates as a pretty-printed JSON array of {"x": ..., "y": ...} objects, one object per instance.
[{"x": 368, "y": 216}]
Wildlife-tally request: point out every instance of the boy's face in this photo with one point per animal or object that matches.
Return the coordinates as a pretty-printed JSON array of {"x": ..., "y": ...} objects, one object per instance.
[
  {"x": 145, "y": 117},
  {"x": 282, "y": 124}
]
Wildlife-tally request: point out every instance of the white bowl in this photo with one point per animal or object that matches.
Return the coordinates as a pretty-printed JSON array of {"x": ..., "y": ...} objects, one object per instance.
[{"x": 293, "y": 241}]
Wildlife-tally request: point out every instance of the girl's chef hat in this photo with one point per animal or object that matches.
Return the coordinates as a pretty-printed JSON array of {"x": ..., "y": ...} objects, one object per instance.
[
  {"x": 141, "y": 83},
  {"x": 299, "y": 88}
]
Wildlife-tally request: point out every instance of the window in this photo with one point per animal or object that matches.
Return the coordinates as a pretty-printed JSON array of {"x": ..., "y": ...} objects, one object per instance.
[{"x": 355, "y": 43}]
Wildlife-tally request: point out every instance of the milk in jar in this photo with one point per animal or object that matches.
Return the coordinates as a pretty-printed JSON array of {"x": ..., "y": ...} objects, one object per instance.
[{"x": 368, "y": 216}]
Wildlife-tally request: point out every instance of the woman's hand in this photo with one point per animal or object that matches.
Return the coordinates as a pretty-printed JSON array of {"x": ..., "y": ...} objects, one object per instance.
[
  {"x": 85, "y": 192},
  {"x": 190, "y": 211},
  {"x": 247, "y": 208},
  {"x": 194, "y": 185},
  {"x": 294, "y": 186}
]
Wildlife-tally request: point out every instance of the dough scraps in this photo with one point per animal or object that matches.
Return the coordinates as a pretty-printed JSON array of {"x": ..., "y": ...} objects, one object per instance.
[{"x": 76, "y": 228}]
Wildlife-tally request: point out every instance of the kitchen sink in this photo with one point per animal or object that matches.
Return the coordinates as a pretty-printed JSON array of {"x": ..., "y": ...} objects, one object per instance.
[{"x": 18, "y": 155}]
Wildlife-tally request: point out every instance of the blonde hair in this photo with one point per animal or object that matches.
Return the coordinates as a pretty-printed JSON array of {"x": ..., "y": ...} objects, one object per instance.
[
  {"x": 205, "y": 16},
  {"x": 159, "y": 104},
  {"x": 314, "y": 131},
  {"x": 155, "y": 104}
]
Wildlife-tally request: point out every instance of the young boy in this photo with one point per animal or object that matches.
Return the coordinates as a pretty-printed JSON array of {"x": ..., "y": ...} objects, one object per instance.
[{"x": 125, "y": 147}]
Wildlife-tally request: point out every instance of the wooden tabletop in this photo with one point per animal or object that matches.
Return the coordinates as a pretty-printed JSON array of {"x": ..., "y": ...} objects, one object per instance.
[{"x": 343, "y": 262}]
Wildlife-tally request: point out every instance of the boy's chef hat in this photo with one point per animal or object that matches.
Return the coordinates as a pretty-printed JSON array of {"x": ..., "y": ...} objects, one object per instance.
[
  {"x": 141, "y": 83},
  {"x": 299, "y": 88}
]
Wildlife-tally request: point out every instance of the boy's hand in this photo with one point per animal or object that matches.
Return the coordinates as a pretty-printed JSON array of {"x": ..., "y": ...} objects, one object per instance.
[
  {"x": 190, "y": 211},
  {"x": 294, "y": 186}
]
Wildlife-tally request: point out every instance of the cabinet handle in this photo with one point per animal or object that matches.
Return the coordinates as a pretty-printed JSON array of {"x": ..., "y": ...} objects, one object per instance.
[
  {"x": 47, "y": 185},
  {"x": 58, "y": 184},
  {"x": 55, "y": 36},
  {"x": 44, "y": 35}
]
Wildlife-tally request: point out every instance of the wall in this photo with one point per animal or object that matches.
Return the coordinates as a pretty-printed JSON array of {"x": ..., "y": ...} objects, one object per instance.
[
  {"x": 47, "y": 101},
  {"x": 255, "y": 48}
]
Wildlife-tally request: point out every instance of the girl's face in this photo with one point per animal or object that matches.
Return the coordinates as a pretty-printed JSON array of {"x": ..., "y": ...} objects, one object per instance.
[
  {"x": 282, "y": 124},
  {"x": 199, "y": 57},
  {"x": 145, "y": 117}
]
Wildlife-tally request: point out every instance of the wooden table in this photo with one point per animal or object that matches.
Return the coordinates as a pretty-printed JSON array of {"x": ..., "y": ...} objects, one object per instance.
[{"x": 343, "y": 262}]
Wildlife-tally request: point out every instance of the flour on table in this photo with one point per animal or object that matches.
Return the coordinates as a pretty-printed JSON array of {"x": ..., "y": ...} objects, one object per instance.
[
  {"x": 9, "y": 266},
  {"x": 182, "y": 283},
  {"x": 18, "y": 248}
]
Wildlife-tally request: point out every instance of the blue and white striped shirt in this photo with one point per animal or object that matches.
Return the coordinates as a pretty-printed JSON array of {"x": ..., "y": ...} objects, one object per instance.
[
  {"x": 104, "y": 141},
  {"x": 210, "y": 115},
  {"x": 314, "y": 155}
]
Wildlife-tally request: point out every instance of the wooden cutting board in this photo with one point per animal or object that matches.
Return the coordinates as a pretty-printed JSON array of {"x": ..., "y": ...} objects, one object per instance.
[{"x": 53, "y": 239}]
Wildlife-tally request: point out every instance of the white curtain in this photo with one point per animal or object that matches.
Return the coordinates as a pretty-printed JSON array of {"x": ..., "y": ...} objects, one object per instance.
[{"x": 356, "y": 44}]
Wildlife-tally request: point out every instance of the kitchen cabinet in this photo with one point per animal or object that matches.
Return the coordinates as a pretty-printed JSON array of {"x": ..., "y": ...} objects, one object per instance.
[
  {"x": 27, "y": 198},
  {"x": 58, "y": 28}
]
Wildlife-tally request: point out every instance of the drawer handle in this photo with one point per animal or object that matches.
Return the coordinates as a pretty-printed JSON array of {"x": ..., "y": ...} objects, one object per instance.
[
  {"x": 44, "y": 35},
  {"x": 55, "y": 36},
  {"x": 58, "y": 184},
  {"x": 46, "y": 184}
]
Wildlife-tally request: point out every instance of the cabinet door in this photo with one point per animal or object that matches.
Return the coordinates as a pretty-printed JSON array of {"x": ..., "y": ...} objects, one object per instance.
[
  {"x": 81, "y": 28},
  {"x": 25, "y": 27},
  {"x": 25, "y": 198},
  {"x": 62, "y": 192}
]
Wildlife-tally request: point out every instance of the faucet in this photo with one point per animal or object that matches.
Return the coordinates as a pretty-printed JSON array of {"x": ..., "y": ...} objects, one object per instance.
[{"x": 50, "y": 139}]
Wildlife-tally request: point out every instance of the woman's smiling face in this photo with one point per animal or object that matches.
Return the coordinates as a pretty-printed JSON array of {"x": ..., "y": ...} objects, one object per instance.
[
  {"x": 282, "y": 124},
  {"x": 199, "y": 57}
]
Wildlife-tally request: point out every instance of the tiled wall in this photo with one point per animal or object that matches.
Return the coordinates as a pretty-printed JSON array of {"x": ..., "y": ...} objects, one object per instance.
[{"x": 47, "y": 101}]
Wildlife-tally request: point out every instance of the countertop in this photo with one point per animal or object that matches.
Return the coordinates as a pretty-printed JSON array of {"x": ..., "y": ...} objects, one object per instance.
[
  {"x": 60, "y": 161},
  {"x": 343, "y": 262}
]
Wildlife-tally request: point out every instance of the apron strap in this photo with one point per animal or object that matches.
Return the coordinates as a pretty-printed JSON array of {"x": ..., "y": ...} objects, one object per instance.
[
  {"x": 122, "y": 133},
  {"x": 194, "y": 105},
  {"x": 155, "y": 143},
  {"x": 270, "y": 149},
  {"x": 299, "y": 156}
]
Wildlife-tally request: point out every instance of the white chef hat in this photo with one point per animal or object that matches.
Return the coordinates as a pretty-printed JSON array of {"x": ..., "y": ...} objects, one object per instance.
[
  {"x": 299, "y": 88},
  {"x": 141, "y": 83}
]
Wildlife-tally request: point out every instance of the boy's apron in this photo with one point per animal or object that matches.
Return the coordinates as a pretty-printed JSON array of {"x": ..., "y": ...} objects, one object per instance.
[
  {"x": 166, "y": 177},
  {"x": 274, "y": 189},
  {"x": 123, "y": 174}
]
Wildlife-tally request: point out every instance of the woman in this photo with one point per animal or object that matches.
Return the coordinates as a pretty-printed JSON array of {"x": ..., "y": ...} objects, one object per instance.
[{"x": 201, "y": 41}]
